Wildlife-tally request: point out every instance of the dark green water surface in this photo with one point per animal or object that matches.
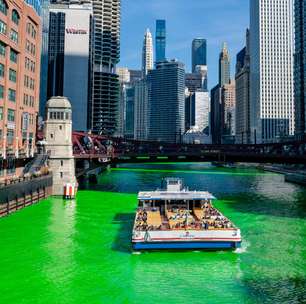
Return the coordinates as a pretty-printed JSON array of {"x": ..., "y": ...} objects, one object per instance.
[{"x": 80, "y": 252}]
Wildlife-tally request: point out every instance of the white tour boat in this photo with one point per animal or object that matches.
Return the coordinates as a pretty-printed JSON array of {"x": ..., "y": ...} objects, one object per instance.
[{"x": 177, "y": 218}]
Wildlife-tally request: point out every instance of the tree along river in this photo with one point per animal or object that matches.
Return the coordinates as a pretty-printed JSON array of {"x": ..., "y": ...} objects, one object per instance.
[{"x": 80, "y": 252}]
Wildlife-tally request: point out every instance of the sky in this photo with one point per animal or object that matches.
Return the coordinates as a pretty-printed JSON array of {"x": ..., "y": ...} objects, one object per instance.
[{"x": 216, "y": 20}]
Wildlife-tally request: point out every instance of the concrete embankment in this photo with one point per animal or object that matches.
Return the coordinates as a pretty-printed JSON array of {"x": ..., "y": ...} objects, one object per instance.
[
  {"x": 291, "y": 175},
  {"x": 297, "y": 178},
  {"x": 19, "y": 193}
]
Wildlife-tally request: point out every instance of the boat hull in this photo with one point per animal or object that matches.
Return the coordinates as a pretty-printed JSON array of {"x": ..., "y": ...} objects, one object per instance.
[
  {"x": 200, "y": 239},
  {"x": 185, "y": 245}
]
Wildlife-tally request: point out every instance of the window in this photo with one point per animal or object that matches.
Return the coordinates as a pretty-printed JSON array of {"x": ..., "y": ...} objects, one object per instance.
[
  {"x": 14, "y": 36},
  {"x": 2, "y": 70},
  {"x": 31, "y": 103},
  {"x": 25, "y": 99},
  {"x": 3, "y": 7},
  {"x": 13, "y": 56},
  {"x": 1, "y": 91},
  {"x": 12, "y": 95},
  {"x": 15, "y": 17},
  {"x": 12, "y": 75},
  {"x": 25, "y": 121},
  {"x": 2, "y": 27},
  {"x": 2, "y": 48},
  {"x": 10, "y": 115},
  {"x": 1, "y": 113},
  {"x": 10, "y": 136}
]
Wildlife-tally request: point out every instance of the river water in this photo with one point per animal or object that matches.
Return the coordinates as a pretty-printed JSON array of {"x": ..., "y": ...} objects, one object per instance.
[{"x": 80, "y": 252}]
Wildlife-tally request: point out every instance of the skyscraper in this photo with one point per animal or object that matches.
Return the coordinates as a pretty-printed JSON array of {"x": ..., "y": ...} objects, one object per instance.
[
  {"x": 147, "y": 53},
  {"x": 224, "y": 66},
  {"x": 271, "y": 78},
  {"x": 160, "y": 40},
  {"x": 199, "y": 53},
  {"x": 124, "y": 79},
  {"x": 166, "y": 90},
  {"x": 103, "y": 110},
  {"x": 242, "y": 79},
  {"x": 69, "y": 57},
  {"x": 228, "y": 108},
  {"x": 44, "y": 56},
  {"x": 197, "y": 111},
  {"x": 129, "y": 112},
  {"x": 217, "y": 96},
  {"x": 141, "y": 110},
  {"x": 300, "y": 67},
  {"x": 215, "y": 114}
]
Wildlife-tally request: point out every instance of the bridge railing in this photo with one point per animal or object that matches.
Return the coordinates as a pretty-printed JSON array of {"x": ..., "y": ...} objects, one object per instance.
[{"x": 94, "y": 146}]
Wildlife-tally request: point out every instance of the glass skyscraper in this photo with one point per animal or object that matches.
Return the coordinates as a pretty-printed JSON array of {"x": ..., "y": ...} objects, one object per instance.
[
  {"x": 160, "y": 40},
  {"x": 300, "y": 67},
  {"x": 44, "y": 56},
  {"x": 199, "y": 53},
  {"x": 166, "y": 93}
]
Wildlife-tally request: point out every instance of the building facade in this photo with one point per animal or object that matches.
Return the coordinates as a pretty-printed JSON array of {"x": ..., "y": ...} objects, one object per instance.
[
  {"x": 228, "y": 115},
  {"x": 135, "y": 75},
  {"x": 129, "y": 112},
  {"x": 166, "y": 95},
  {"x": 300, "y": 68},
  {"x": 147, "y": 53},
  {"x": 271, "y": 70},
  {"x": 224, "y": 66},
  {"x": 104, "y": 107},
  {"x": 199, "y": 53},
  {"x": 124, "y": 79},
  {"x": 58, "y": 134},
  {"x": 215, "y": 114},
  {"x": 242, "y": 79},
  {"x": 45, "y": 5},
  {"x": 141, "y": 110},
  {"x": 69, "y": 57},
  {"x": 123, "y": 74},
  {"x": 197, "y": 112},
  {"x": 160, "y": 40},
  {"x": 193, "y": 81},
  {"x": 20, "y": 45}
]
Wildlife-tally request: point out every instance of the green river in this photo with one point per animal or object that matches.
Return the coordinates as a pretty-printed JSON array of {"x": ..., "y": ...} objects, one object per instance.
[{"x": 79, "y": 251}]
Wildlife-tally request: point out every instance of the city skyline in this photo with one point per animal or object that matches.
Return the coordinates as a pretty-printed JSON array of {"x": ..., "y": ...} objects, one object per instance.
[{"x": 201, "y": 22}]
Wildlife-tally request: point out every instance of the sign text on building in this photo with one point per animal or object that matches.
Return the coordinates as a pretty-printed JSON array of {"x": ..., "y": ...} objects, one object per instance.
[{"x": 75, "y": 31}]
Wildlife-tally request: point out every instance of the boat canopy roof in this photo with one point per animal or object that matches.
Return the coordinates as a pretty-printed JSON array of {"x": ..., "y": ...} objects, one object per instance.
[{"x": 175, "y": 196}]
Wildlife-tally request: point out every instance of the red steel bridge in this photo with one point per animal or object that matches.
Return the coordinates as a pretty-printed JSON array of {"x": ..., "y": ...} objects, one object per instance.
[{"x": 119, "y": 150}]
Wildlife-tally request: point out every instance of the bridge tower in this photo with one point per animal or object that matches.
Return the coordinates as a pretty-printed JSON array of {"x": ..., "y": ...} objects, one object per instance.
[{"x": 58, "y": 136}]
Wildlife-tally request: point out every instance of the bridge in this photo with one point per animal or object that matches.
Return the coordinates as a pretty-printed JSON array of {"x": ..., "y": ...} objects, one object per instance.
[{"x": 119, "y": 150}]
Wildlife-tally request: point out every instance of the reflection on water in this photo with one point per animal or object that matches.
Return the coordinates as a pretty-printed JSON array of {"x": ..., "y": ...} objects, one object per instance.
[{"x": 80, "y": 252}]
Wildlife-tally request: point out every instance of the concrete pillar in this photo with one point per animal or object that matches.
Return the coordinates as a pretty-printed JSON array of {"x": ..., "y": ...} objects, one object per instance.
[{"x": 58, "y": 136}]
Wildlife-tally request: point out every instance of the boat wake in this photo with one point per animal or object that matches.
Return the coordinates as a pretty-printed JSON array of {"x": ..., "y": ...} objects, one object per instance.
[
  {"x": 136, "y": 252},
  {"x": 243, "y": 248}
]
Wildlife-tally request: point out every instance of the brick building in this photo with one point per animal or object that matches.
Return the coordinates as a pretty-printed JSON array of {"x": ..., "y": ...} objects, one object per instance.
[{"x": 20, "y": 40}]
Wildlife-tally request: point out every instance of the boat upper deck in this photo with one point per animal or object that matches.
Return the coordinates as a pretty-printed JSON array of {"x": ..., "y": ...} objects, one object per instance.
[
  {"x": 178, "y": 208},
  {"x": 181, "y": 218}
]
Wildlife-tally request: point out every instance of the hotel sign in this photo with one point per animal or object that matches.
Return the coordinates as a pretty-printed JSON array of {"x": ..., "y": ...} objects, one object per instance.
[{"x": 75, "y": 31}]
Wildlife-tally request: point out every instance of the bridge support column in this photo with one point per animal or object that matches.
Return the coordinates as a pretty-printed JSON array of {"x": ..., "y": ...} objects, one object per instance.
[{"x": 58, "y": 135}]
